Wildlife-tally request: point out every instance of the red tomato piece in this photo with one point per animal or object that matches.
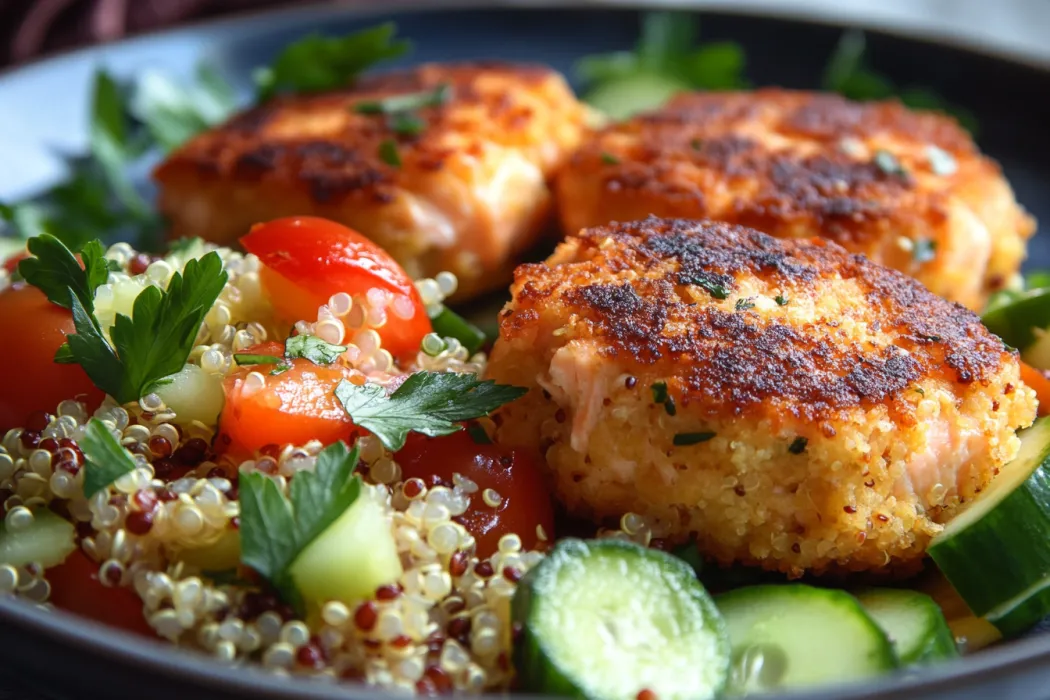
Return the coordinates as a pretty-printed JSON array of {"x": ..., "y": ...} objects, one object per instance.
[
  {"x": 33, "y": 382},
  {"x": 513, "y": 474},
  {"x": 291, "y": 408},
  {"x": 307, "y": 259},
  {"x": 11, "y": 263},
  {"x": 75, "y": 587}
]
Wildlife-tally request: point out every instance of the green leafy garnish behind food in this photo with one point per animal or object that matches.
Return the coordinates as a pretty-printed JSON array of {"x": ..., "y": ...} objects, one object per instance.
[
  {"x": 317, "y": 63},
  {"x": 431, "y": 403},
  {"x": 54, "y": 270},
  {"x": 105, "y": 460},
  {"x": 174, "y": 113},
  {"x": 155, "y": 342},
  {"x": 406, "y": 103},
  {"x": 847, "y": 74},
  {"x": 275, "y": 528},
  {"x": 665, "y": 60}
]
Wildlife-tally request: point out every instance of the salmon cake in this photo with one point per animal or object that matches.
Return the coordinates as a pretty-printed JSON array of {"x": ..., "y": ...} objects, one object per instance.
[
  {"x": 446, "y": 166},
  {"x": 789, "y": 404},
  {"x": 908, "y": 189}
]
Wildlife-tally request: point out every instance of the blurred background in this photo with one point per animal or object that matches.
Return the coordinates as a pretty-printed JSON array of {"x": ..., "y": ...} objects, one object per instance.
[{"x": 32, "y": 28}]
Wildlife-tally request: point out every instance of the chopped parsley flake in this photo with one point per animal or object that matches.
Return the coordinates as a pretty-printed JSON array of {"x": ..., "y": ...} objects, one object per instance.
[
  {"x": 406, "y": 103},
  {"x": 697, "y": 144},
  {"x": 744, "y": 303},
  {"x": 388, "y": 153},
  {"x": 685, "y": 439},
  {"x": 715, "y": 289},
  {"x": 670, "y": 407},
  {"x": 798, "y": 446},
  {"x": 609, "y": 158},
  {"x": 888, "y": 163},
  {"x": 407, "y": 124},
  {"x": 780, "y": 300},
  {"x": 919, "y": 391},
  {"x": 923, "y": 250},
  {"x": 659, "y": 392},
  {"x": 312, "y": 348}
]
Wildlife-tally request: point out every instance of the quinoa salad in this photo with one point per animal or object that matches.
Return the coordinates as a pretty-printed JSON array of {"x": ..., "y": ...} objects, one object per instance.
[{"x": 694, "y": 455}]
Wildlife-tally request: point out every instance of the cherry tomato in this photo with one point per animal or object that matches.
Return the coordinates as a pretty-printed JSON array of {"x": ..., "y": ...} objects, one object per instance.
[
  {"x": 305, "y": 260},
  {"x": 513, "y": 474},
  {"x": 11, "y": 263},
  {"x": 1038, "y": 381},
  {"x": 34, "y": 329},
  {"x": 291, "y": 408},
  {"x": 75, "y": 587}
]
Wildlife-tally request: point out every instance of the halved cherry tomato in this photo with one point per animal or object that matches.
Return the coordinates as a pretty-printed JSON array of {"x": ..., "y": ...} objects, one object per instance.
[
  {"x": 11, "y": 263},
  {"x": 305, "y": 260},
  {"x": 75, "y": 587},
  {"x": 513, "y": 474},
  {"x": 1038, "y": 381},
  {"x": 292, "y": 407},
  {"x": 34, "y": 329}
]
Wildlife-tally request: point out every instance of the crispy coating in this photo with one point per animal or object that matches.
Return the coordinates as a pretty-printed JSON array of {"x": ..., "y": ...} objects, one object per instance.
[
  {"x": 788, "y": 403},
  {"x": 469, "y": 194},
  {"x": 910, "y": 190}
]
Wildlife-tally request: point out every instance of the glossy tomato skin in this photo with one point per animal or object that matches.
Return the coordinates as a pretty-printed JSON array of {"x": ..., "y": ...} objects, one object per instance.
[
  {"x": 292, "y": 408},
  {"x": 305, "y": 260},
  {"x": 34, "y": 329},
  {"x": 75, "y": 588},
  {"x": 514, "y": 474}
]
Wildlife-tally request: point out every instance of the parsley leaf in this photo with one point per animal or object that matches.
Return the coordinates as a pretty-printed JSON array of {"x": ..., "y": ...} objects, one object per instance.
[
  {"x": 111, "y": 145},
  {"x": 174, "y": 113},
  {"x": 317, "y": 63},
  {"x": 714, "y": 288},
  {"x": 313, "y": 349},
  {"x": 745, "y": 303},
  {"x": 407, "y": 124},
  {"x": 430, "y": 403},
  {"x": 275, "y": 529},
  {"x": 54, "y": 270},
  {"x": 388, "y": 153},
  {"x": 155, "y": 342},
  {"x": 609, "y": 158},
  {"x": 105, "y": 460},
  {"x": 781, "y": 300}
]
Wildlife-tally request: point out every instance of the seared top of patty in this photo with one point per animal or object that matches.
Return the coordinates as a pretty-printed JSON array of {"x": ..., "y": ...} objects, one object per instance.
[
  {"x": 742, "y": 319},
  {"x": 791, "y": 156},
  {"x": 325, "y": 144}
]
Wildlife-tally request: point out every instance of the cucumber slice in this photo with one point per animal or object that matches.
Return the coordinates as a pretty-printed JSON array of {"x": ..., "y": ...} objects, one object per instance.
[
  {"x": 792, "y": 636},
  {"x": 913, "y": 622},
  {"x": 48, "y": 540},
  {"x": 351, "y": 559},
  {"x": 1014, "y": 320},
  {"x": 607, "y": 619},
  {"x": 620, "y": 98},
  {"x": 996, "y": 553}
]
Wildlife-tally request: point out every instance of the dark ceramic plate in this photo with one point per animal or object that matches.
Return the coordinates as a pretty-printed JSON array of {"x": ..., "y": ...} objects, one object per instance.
[{"x": 43, "y": 115}]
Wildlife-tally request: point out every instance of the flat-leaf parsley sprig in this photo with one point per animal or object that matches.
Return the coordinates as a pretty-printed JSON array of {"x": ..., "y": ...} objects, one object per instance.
[
  {"x": 276, "y": 528},
  {"x": 152, "y": 344},
  {"x": 431, "y": 403}
]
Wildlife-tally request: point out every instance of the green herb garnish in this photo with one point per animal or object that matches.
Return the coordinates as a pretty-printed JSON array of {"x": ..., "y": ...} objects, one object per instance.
[
  {"x": 406, "y": 103},
  {"x": 670, "y": 407},
  {"x": 780, "y": 300},
  {"x": 431, "y": 403},
  {"x": 317, "y": 63},
  {"x": 715, "y": 289},
  {"x": 313, "y": 349},
  {"x": 448, "y": 324},
  {"x": 744, "y": 303},
  {"x": 275, "y": 528},
  {"x": 388, "y": 153},
  {"x": 610, "y": 159},
  {"x": 105, "y": 460},
  {"x": 54, "y": 270},
  {"x": 659, "y": 390},
  {"x": 685, "y": 439},
  {"x": 154, "y": 343},
  {"x": 407, "y": 124},
  {"x": 174, "y": 113},
  {"x": 798, "y": 445},
  {"x": 923, "y": 250},
  {"x": 888, "y": 163},
  {"x": 478, "y": 434},
  {"x": 246, "y": 359}
]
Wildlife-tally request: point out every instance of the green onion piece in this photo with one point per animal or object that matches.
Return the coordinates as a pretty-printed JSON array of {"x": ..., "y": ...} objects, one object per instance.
[
  {"x": 243, "y": 358},
  {"x": 448, "y": 324},
  {"x": 685, "y": 439}
]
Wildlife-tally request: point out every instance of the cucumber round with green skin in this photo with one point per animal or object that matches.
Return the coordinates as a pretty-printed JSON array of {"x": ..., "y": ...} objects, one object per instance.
[
  {"x": 996, "y": 553},
  {"x": 47, "y": 540},
  {"x": 795, "y": 636},
  {"x": 913, "y": 622},
  {"x": 608, "y": 619},
  {"x": 628, "y": 95}
]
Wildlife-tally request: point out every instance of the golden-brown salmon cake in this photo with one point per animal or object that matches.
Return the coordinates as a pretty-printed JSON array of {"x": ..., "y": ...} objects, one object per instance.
[
  {"x": 470, "y": 192},
  {"x": 789, "y": 404},
  {"x": 908, "y": 189}
]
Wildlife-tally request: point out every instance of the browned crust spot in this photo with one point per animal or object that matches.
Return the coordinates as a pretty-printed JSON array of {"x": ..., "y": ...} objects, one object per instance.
[{"x": 739, "y": 359}]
